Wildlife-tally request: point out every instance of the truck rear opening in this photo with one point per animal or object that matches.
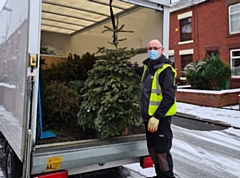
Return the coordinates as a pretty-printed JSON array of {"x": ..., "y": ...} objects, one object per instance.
[{"x": 50, "y": 30}]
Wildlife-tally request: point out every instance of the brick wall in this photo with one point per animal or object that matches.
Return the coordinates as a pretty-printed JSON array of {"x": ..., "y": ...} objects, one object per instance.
[
  {"x": 209, "y": 99},
  {"x": 209, "y": 30},
  {"x": 235, "y": 83}
]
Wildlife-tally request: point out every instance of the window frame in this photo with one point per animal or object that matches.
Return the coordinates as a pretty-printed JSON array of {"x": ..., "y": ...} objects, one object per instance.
[
  {"x": 183, "y": 23},
  {"x": 215, "y": 52},
  {"x": 185, "y": 60},
  {"x": 231, "y": 61},
  {"x": 229, "y": 18},
  {"x": 172, "y": 59}
]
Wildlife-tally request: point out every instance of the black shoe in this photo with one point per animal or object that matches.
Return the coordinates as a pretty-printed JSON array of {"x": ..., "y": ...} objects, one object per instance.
[{"x": 153, "y": 177}]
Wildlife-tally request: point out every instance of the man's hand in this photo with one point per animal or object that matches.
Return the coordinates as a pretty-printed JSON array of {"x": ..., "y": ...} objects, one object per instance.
[{"x": 153, "y": 124}]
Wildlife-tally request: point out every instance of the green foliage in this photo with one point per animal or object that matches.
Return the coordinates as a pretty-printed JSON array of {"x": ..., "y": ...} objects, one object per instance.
[
  {"x": 211, "y": 73},
  {"x": 74, "y": 68},
  {"x": 60, "y": 88},
  {"x": 111, "y": 95},
  {"x": 59, "y": 103},
  {"x": 76, "y": 85},
  {"x": 193, "y": 73}
]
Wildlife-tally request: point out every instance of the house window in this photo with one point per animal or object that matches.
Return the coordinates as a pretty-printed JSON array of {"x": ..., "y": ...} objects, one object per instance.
[
  {"x": 185, "y": 60},
  {"x": 213, "y": 53},
  {"x": 186, "y": 29},
  {"x": 171, "y": 58},
  {"x": 235, "y": 62},
  {"x": 234, "y": 18}
]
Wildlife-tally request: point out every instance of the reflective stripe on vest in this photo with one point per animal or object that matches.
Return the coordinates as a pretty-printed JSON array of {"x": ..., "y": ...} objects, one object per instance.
[{"x": 156, "y": 92}]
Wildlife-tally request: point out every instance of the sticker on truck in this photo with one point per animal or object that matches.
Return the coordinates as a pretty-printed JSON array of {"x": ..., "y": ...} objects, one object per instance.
[{"x": 54, "y": 163}]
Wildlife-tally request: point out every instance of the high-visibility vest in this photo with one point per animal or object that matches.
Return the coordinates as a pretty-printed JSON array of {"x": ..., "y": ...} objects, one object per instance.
[{"x": 156, "y": 92}]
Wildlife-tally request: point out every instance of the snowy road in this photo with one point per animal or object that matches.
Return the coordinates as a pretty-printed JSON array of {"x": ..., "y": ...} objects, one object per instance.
[{"x": 203, "y": 154}]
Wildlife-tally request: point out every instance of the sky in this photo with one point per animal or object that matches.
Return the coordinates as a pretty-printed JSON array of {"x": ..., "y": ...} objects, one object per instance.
[{"x": 229, "y": 115}]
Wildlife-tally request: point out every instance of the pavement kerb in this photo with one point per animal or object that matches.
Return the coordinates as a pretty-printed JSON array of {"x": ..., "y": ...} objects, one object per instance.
[{"x": 188, "y": 116}]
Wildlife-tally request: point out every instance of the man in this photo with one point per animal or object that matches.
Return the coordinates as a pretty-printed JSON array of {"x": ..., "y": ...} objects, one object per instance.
[{"x": 158, "y": 105}]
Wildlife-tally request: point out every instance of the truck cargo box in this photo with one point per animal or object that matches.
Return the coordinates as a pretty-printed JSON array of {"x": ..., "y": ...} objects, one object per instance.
[{"x": 65, "y": 27}]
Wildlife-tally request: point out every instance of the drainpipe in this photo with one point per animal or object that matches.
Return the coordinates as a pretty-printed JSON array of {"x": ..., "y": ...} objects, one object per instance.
[{"x": 166, "y": 24}]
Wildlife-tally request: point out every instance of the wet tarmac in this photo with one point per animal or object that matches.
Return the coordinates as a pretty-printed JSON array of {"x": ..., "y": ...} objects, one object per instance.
[{"x": 194, "y": 124}]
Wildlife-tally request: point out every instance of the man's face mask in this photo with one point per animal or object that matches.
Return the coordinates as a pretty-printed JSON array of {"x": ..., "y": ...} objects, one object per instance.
[{"x": 153, "y": 54}]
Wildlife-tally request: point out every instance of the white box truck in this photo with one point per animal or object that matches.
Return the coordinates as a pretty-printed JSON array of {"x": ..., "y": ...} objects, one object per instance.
[{"x": 75, "y": 26}]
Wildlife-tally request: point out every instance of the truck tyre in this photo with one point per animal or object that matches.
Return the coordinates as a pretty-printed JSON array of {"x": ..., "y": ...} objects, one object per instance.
[{"x": 13, "y": 166}]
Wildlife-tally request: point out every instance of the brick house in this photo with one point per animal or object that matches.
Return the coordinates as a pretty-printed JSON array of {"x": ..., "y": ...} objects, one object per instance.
[{"x": 199, "y": 28}]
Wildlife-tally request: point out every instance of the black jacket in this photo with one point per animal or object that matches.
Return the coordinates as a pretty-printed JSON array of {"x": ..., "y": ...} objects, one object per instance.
[{"x": 166, "y": 81}]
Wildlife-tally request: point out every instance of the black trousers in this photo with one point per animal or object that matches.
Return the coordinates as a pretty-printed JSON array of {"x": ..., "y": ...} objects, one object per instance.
[{"x": 159, "y": 144}]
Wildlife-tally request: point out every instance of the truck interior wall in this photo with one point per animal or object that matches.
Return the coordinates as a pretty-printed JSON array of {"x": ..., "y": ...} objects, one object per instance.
[
  {"x": 56, "y": 42},
  {"x": 146, "y": 24}
]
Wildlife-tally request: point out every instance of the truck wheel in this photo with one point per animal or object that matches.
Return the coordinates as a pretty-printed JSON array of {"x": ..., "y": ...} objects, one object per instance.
[{"x": 13, "y": 166}]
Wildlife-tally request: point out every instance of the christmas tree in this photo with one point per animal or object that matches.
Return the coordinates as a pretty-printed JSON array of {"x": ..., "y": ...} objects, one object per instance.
[{"x": 111, "y": 94}]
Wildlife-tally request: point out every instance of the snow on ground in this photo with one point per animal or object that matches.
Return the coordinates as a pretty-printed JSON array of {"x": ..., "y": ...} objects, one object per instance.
[
  {"x": 234, "y": 107},
  {"x": 229, "y": 115}
]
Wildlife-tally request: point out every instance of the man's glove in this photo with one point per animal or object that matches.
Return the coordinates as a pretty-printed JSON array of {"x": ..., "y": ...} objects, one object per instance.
[{"x": 153, "y": 124}]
